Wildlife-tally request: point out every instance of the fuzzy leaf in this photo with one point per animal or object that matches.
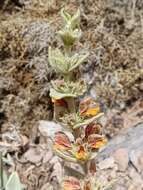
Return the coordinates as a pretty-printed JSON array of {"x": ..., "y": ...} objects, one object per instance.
[
  {"x": 57, "y": 95},
  {"x": 13, "y": 182},
  {"x": 64, "y": 64},
  {"x": 75, "y": 20},
  {"x": 65, "y": 156},
  {"x": 71, "y": 21},
  {"x": 67, "y": 89},
  {"x": 66, "y": 16},
  {"x": 76, "y": 60},
  {"x": 57, "y": 60},
  {"x": 69, "y": 36},
  {"x": 88, "y": 121}
]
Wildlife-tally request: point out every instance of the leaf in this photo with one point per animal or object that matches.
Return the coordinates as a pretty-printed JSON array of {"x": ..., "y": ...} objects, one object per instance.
[
  {"x": 65, "y": 156},
  {"x": 75, "y": 20},
  {"x": 66, "y": 16},
  {"x": 76, "y": 60},
  {"x": 69, "y": 36},
  {"x": 57, "y": 95},
  {"x": 87, "y": 121},
  {"x": 71, "y": 21},
  {"x": 14, "y": 182},
  {"x": 62, "y": 89},
  {"x": 57, "y": 60},
  {"x": 64, "y": 64}
]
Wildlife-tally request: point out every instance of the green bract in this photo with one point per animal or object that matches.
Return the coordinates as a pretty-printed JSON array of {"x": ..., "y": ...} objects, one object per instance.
[
  {"x": 71, "y": 32},
  {"x": 63, "y": 63},
  {"x": 63, "y": 89},
  {"x": 71, "y": 21},
  {"x": 69, "y": 36},
  {"x": 74, "y": 120}
]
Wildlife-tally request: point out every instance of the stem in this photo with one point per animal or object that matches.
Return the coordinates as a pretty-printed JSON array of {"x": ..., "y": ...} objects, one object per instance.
[
  {"x": 67, "y": 77},
  {"x": 67, "y": 50},
  {"x": 71, "y": 105},
  {"x": 1, "y": 171}
]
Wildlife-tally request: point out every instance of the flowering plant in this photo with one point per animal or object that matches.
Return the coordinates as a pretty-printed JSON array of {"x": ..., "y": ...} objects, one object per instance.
[{"x": 80, "y": 120}]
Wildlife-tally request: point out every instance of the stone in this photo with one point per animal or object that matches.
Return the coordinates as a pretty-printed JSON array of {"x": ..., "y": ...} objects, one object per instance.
[
  {"x": 120, "y": 187},
  {"x": 47, "y": 157},
  {"x": 48, "y": 128},
  {"x": 106, "y": 164},
  {"x": 136, "y": 159},
  {"x": 140, "y": 159},
  {"x": 136, "y": 178},
  {"x": 121, "y": 158},
  {"x": 34, "y": 155},
  {"x": 113, "y": 174},
  {"x": 47, "y": 186}
]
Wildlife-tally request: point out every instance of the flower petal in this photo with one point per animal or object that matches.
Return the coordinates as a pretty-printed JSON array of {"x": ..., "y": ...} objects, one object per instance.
[
  {"x": 92, "y": 128},
  {"x": 71, "y": 183},
  {"x": 91, "y": 111},
  {"x": 96, "y": 142},
  {"x": 60, "y": 102},
  {"x": 88, "y": 107},
  {"x": 87, "y": 186},
  {"x": 81, "y": 153},
  {"x": 62, "y": 141}
]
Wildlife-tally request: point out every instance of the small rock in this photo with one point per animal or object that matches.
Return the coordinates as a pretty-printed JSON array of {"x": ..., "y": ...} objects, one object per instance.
[
  {"x": 47, "y": 186},
  {"x": 121, "y": 158},
  {"x": 136, "y": 158},
  {"x": 113, "y": 174},
  {"x": 49, "y": 128},
  {"x": 57, "y": 171},
  {"x": 47, "y": 157},
  {"x": 54, "y": 160},
  {"x": 140, "y": 159},
  {"x": 107, "y": 163},
  {"x": 136, "y": 178},
  {"x": 120, "y": 187},
  {"x": 34, "y": 155}
]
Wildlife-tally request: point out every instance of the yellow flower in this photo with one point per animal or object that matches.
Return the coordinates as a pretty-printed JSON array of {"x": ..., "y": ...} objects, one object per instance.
[
  {"x": 87, "y": 185},
  {"x": 96, "y": 141},
  {"x": 88, "y": 108},
  {"x": 81, "y": 153}
]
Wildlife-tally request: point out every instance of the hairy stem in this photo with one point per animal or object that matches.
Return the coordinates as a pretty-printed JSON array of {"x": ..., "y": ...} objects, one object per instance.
[{"x": 71, "y": 105}]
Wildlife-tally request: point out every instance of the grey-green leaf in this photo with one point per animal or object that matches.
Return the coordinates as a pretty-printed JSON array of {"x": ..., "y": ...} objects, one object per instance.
[
  {"x": 66, "y": 16},
  {"x": 13, "y": 182}
]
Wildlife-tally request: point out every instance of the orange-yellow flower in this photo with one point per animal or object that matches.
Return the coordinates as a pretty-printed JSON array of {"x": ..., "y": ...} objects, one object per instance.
[
  {"x": 81, "y": 153},
  {"x": 96, "y": 142},
  {"x": 71, "y": 183},
  {"x": 61, "y": 141},
  {"x": 87, "y": 186},
  {"x": 91, "y": 129},
  {"x": 88, "y": 108}
]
